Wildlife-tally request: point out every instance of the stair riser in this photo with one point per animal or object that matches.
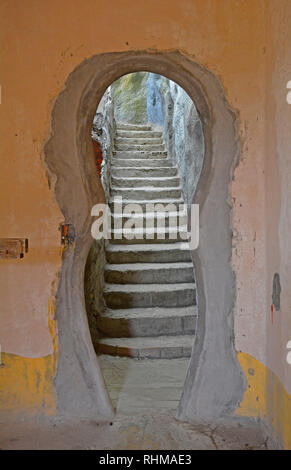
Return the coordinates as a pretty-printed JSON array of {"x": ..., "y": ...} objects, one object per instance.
[
  {"x": 146, "y": 194},
  {"x": 138, "y": 141},
  {"x": 136, "y": 327},
  {"x": 126, "y": 241},
  {"x": 150, "y": 276},
  {"x": 164, "y": 256},
  {"x": 140, "y": 221},
  {"x": 133, "y": 127},
  {"x": 136, "y": 183},
  {"x": 131, "y": 155},
  {"x": 176, "y": 298},
  {"x": 144, "y": 206},
  {"x": 143, "y": 172},
  {"x": 139, "y": 134},
  {"x": 150, "y": 353},
  {"x": 150, "y": 163},
  {"x": 147, "y": 147}
]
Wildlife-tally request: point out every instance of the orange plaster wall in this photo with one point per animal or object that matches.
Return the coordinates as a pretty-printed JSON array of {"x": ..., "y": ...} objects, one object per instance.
[
  {"x": 41, "y": 43},
  {"x": 49, "y": 40},
  {"x": 278, "y": 215},
  {"x": 278, "y": 190}
]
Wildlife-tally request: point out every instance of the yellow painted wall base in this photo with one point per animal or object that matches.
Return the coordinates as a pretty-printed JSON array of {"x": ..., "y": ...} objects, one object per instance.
[
  {"x": 26, "y": 384},
  {"x": 266, "y": 398}
]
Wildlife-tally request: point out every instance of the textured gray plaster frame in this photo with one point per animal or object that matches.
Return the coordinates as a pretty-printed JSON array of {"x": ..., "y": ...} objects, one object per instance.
[{"x": 214, "y": 384}]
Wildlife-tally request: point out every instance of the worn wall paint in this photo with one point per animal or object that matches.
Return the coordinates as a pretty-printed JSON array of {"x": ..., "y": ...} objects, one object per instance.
[
  {"x": 278, "y": 189},
  {"x": 26, "y": 385},
  {"x": 50, "y": 41},
  {"x": 266, "y": 398},
  {"x": 245, "y": 43}
]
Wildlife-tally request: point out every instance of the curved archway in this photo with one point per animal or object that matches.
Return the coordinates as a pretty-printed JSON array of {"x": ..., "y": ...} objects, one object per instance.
[{"x": 214, "y": 383}]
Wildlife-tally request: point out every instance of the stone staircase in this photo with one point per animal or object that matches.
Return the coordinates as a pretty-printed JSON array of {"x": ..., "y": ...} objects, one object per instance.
[{"x": 149, "y": 283}]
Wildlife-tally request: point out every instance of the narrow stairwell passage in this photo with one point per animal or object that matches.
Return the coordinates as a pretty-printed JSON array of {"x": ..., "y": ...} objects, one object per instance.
[{"x": 150, "y": 289}]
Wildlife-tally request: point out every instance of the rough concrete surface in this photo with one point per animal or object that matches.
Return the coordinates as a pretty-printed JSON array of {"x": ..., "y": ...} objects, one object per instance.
[
  {"x": 139, "y": 385},
  {"x": 169, "y": 106},
  {"x": 155, "y": 431},
  {"x": 129, "y": 94},
  {"x": 145, "y": 395}
]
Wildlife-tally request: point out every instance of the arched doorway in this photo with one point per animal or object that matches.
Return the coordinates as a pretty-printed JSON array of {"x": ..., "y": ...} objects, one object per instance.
[
  {"x": 140, "y": 290},
  {"x": 214, "y": 384}
]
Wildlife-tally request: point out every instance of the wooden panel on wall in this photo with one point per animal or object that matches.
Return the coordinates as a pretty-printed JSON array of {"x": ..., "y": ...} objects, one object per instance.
[{"x": 13, "y": 247}]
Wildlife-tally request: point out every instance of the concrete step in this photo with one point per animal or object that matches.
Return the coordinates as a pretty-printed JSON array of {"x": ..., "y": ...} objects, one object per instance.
[
  {"x": 123, "y": 126},
  {"x": 148, "y": 253},
  {"x": 149, "y": 295},
  {"x": 144, "y": 235},
  {"x": 132, "y": 322},
  {"x": 162, "y": 182},
  {"x": 162, "y": 205},
  {"x": 144, "y": 163},
  {"x": 154, "y": 219},
  {"x": 156, "y": 347},
  {"x": 139, "y": 134},
  {"x": 141, "y": 155},
  {"x": 149, "y": 273},
  {"x": 140, "y": 141},
  {"x": 149, "y": 193},
  {"x": 137, "y": 172},
  {"x": 147, "y": 147}
]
